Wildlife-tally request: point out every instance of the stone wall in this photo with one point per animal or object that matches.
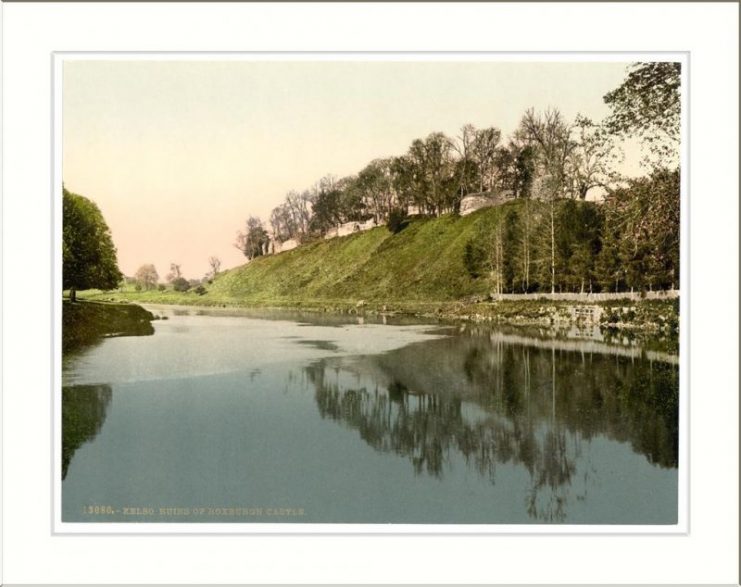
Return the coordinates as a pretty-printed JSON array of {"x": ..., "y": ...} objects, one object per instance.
[
  {"x": 473, "y": 202},
  {"x": 280, "y": 247},
  {"x": 350, "y": 228},
  {"x": 670, "y": 294}
]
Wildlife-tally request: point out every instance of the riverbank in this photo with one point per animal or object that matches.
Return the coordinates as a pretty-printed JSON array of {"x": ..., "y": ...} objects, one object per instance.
[
  {"x": 426, "y": 270},
  {"x": 655, "y": 322},
  {"x": 85, "y": 322}
]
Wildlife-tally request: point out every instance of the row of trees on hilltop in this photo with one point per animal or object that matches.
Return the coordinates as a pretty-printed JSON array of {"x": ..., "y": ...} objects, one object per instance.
[
  {"x": 437, "y": 172},
  {"x": 630, "y": 240}
]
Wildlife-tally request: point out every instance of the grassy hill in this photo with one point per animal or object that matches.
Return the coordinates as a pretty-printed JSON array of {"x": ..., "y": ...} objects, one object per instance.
[{"x": 423, "y": 262}]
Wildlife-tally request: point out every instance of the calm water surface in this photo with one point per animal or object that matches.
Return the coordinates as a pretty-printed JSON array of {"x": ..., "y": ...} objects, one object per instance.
[{"x": 276, "y": 418}]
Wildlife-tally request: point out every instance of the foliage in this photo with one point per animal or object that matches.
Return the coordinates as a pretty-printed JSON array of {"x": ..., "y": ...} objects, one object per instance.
[
  {"x": 375, "y": 188},
  {"x": 647, "y": 104},
  {"x": 644, "y": 221},
  {"x": 473, "y": 258},
  {"x": 254, "y": 241},
  {"x": 396, "y": 220},
  {"x": 550, "y": 135},
  {"x": 146, "y": 276},
  {"x": 326, "y": 208},
  {"x": 524, "y": 171},
  {"x": 592, "y": 160},
  {"x": 88, "y": 253},
  {"x": 180, "y": 284}
]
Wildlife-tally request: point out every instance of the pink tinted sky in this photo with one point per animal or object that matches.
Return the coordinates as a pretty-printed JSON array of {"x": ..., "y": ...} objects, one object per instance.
[{"x": 177, "y": 154}]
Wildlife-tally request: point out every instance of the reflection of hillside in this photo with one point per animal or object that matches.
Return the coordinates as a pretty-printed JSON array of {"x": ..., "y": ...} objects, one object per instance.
[
  {"x": 84, "y": 410},
  {"x": 497, "y": 403}
]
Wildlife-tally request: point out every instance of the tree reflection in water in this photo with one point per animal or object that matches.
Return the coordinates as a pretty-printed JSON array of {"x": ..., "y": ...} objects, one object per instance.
[
  {"x": 497, "y": 403},
  {"x": 84, "y": 409}
]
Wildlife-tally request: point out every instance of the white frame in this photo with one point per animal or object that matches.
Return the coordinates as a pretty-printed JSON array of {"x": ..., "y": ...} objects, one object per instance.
[{"x": 708, "y": 553}]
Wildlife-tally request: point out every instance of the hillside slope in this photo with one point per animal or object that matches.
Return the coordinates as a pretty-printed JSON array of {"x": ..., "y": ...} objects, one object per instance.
[{"x": 423, "y": 262}]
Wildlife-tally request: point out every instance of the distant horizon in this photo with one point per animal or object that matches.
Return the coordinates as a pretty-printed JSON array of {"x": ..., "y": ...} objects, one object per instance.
[{"x": 178, "y": 154}]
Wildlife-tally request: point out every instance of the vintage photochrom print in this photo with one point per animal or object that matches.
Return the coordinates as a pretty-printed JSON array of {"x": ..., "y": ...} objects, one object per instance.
[{"x": 432, "y": 291}]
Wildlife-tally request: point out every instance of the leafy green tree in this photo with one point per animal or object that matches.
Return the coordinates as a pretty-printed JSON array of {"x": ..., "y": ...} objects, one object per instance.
[
  {"x": 511, "y": 237},
  {"x": 525, "y": 162},
  {"x": 352, "y": 207},
  {"x": 88, "y": 254},
  {"x": 406, "y": 181},
  {"x": 505, "y": 177},
  {"x": 432, "y": 166},
  {"x": 180, "y": 284},
  {"x": 254, "y": 241},
  {"x": 647, "y": 213},
  {"x": 396, "y": 223},
  {"x": 473, "y": 258},
  {"x": 326, "y": 209},
  {"x": 374, "y": 184},
  {"x": 647, "y": 104},
  {"x": 579, "y": 226}
]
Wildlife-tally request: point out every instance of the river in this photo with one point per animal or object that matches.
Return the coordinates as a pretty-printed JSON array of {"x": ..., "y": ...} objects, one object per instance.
[{"x": 261, "y": 416}]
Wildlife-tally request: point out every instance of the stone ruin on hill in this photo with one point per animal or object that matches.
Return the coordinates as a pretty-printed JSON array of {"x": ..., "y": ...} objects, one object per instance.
[{"x": 473, "y": 202}]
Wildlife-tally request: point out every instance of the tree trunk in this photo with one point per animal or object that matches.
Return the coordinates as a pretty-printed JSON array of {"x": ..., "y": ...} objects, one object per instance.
[
  {"x": 72, "y": 295},
  {"x": 527, "y": 246},
  {"x": 553, "y": 249}
]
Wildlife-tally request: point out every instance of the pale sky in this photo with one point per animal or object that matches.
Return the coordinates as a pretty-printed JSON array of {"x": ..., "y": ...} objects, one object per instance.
[{"x": 178, "y": 154}]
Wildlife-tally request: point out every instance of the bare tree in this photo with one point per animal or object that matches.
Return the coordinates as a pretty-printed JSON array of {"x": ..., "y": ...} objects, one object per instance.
[
  {"x": 299, "y": 210},
  {"x": 484, "y": 153},
  {"x": 146, "y": 276},
  {"x": 550, "y": 133},
  {"x": 464, "y": 147},
  {"x": 590, "y": 162},
  {"x": 494, "y": 259},
  {"x": 215, "y": 264},
  {"x": 174, "y": 273},
  {"x": 281, "y": 223},
  {"x": 375, "y": 186}
]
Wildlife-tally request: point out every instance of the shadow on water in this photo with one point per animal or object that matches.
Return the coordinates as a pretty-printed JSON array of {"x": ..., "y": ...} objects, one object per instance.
[
  {"x": 86, "y": 323},
  {"x": 495, "y": 403},
  {"x": 84, "y": 409}
]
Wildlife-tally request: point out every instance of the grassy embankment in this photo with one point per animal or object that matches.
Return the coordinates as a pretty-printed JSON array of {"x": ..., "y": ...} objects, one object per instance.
[{"x": 417, "y": 271}]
